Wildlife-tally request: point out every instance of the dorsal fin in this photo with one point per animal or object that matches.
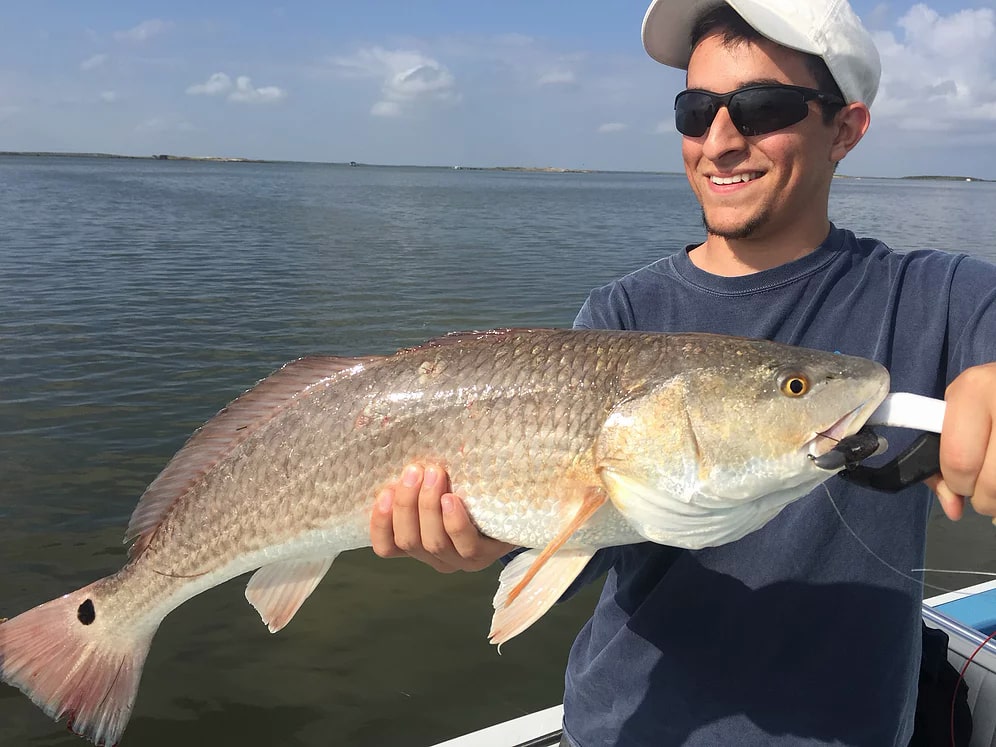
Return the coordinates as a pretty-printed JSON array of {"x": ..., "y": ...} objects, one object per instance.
[
  {"x": 459, "y": 338},
  {"x": 222, "y": 433}
]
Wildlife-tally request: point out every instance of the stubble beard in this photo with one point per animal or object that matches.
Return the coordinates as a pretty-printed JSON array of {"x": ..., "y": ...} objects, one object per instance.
[{"x": 743, "y": 231}]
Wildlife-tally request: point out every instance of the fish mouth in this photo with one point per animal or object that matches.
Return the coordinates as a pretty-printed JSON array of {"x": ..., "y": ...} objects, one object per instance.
[{"x": 825, "y": 440}]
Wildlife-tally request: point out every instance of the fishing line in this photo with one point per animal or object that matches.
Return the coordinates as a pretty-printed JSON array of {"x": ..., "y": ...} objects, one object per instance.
[
  {"x": 882, "y": 560},
  {"x": 950, "y": 570},
  {"x": 961, "y": 678}
]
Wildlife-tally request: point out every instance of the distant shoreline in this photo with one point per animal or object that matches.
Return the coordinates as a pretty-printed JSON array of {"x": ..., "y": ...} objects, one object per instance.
[
  {"x": 524, "y": 169},
  {"x": 154, "y": 157}
]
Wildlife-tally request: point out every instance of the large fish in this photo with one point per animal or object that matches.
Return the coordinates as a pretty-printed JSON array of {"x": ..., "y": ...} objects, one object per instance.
[{"x": 563, "y": 441}]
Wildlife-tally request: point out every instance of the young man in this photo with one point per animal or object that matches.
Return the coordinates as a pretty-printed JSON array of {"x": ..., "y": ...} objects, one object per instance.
[{"x": 795, "y": 634}]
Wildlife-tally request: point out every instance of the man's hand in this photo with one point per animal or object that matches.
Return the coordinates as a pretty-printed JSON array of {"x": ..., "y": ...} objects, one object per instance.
[
  {"x": 419, "y": 518},
  {"x": 968, "y": 446}
]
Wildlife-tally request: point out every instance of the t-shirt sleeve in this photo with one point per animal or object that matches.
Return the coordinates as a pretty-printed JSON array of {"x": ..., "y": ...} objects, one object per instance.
[
  {"x": 971, "y": 316},
  {"x": 607, "y": 307}
]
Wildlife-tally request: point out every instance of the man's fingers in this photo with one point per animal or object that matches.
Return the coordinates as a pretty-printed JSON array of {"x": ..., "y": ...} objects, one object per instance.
[
  {"x": 964, "y": 433},
  {"x": 407, "y": 533},
  {"x": 984, "y": 496},
  {"x": 435, "y": 540},
  {"x": 408, "y": 530},
  {"x": 382, "y": 526},
  {"x": 476, "y": 551},
  {"x": 952, "y": 503},
  {"x": 417, "y": 517},
  {"x": 396, "y": 528},
  {"x": 461, "y": 530}
]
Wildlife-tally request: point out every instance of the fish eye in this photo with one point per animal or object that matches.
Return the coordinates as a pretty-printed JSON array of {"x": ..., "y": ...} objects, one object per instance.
[{"x": 794, "y": 385}]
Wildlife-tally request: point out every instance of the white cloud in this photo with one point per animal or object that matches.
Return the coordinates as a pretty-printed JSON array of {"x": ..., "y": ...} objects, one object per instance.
[
  {"x": 878, "y": 16},
  {"x": 92, "y": 63},
  {"x": 556, "y": 77},
  {"x": 408, "y": 79},
  {"x": 108, "y": 97},
  {"x": 939, "y": 72},
  {"x": 216, "y": 84},
  {"x": 144, "y": 31},
  {"x": 245, "y": 93},
  {"x": 665, "y": 127},
  {"x": 241, "y": 90},
  {"x": 612, "y": 127}
]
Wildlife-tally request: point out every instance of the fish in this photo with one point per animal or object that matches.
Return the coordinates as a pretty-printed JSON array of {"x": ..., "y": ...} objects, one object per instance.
[{"x": 559, "y": 441}]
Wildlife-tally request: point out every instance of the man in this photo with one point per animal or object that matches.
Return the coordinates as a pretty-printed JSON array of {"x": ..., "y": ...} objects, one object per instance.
[{"x": 795, "y": 634}]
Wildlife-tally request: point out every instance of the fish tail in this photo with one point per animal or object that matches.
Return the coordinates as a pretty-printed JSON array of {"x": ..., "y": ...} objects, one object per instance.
[{"x": 74, "y": 660}]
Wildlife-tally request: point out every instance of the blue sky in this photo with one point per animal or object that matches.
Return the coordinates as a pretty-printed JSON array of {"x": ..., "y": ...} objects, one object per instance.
[{"x": 448, "y": 82}]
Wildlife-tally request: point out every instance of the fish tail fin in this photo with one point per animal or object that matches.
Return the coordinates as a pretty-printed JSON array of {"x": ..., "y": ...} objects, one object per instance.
[{"x": 74, "y": 661}]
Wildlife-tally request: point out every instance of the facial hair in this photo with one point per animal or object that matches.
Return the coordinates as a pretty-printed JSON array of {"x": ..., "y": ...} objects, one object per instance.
[{"x": 742, "y": 231}]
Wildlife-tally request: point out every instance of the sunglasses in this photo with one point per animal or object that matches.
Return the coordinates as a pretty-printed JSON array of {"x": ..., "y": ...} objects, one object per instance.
[{"x": 755, "y": 110}]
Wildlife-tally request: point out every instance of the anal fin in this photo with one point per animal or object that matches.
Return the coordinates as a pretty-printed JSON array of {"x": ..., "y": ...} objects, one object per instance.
[
  {"x": 548, "y": 584},
  {"x": 278, "y": 590}
]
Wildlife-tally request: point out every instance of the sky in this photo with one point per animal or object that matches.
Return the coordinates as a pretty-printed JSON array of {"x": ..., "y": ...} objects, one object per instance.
[{"x": 540, "y": 83}]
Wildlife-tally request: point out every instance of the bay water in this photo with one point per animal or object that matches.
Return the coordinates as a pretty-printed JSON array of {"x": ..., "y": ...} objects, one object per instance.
[{"x": 138, "y": 297}]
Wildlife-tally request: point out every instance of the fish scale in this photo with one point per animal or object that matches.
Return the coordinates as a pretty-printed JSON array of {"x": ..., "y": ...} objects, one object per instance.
[{"x": 350, "y": 437}]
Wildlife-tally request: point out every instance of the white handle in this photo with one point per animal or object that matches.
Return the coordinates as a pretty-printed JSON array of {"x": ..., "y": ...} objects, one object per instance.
[{"x": 905, "y": 410}]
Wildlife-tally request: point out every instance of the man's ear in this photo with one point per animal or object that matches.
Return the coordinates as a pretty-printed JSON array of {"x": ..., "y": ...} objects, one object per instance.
[{"x": 851, "y": 123}]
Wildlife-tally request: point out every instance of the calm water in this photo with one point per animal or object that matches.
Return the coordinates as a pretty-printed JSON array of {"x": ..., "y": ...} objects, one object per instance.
[{"x": 138, "y": 297}]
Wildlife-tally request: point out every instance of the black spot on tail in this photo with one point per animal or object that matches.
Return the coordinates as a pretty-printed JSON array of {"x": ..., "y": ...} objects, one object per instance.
[{"x": 86, "y": 613}]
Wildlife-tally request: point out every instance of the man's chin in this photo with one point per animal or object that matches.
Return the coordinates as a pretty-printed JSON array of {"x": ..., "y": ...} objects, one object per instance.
[{"x": 733, "y": 230}]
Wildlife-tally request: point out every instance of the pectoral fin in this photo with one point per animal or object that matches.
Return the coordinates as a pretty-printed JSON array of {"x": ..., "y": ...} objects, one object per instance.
[
  {"x": 548, "y": 584},
  {"x": 277, "y": 591},
  {"x": 535, "y": 580},
  {"x": 594, "y": 499}
]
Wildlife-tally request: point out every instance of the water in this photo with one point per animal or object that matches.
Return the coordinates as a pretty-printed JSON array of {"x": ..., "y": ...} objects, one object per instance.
[{"x": 138, "y": 297}]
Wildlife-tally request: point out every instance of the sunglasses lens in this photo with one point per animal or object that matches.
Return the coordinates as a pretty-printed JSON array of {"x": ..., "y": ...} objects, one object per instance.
[
  {"x": 693, "y": 113},
  {"x": 765, "y": 110},
  {"x": 754, "y": 111}
]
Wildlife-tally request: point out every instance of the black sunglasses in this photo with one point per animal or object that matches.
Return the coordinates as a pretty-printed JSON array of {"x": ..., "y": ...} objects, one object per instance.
[{"x": 755, "y": 110}]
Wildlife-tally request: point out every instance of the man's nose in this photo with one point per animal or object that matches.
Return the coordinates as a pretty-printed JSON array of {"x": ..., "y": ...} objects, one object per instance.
[{"x": 722, "y": 137}]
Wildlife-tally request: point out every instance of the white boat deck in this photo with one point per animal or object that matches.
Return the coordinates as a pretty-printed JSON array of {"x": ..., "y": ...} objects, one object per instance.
[{"x": 534, "y": 730}]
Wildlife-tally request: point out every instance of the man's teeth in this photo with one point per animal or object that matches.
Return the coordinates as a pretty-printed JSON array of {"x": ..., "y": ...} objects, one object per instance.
[{"x": 733, "y": 179}]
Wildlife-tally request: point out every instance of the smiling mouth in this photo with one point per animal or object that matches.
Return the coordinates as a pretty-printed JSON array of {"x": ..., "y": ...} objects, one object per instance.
[{"x": 735, "y": 179}]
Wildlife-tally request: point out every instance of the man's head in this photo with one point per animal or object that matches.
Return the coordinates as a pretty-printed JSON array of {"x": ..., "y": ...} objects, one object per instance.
[{"x": 765, "y": 122}]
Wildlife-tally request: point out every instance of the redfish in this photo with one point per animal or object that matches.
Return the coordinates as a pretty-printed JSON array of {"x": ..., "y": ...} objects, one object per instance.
[{"x": 558, "y": 440}]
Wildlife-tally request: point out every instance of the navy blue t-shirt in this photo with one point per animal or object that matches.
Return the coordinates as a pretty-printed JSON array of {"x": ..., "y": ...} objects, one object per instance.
[{"x": 795, "y": 634}]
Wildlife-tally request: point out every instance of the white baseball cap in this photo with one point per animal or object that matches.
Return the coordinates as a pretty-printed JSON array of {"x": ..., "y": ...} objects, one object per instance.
[{"x": 826, "y": 28}]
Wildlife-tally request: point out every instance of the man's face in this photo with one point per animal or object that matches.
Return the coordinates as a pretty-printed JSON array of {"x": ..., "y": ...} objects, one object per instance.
[{"x": 789, "y": 169}]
